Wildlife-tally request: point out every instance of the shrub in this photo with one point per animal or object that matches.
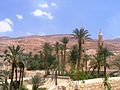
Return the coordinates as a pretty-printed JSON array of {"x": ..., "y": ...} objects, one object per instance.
[
  {"x": 77, "y": 75},
  {"x": 41, "y": 89},
  {"x": 23, "y": 87}
]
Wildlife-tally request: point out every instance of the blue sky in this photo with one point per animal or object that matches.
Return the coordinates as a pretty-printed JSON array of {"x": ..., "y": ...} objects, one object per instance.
[{"x": 44, "y": 17}]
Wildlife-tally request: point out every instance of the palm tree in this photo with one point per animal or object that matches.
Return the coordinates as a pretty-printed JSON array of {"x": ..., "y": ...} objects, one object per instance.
[
  {"x": 54, "y": 65},
  {"x": 36, "y": 82},
  {"x": 47, "y": 51},
  {"x": 11, "y": 55},
  {"x": 99, "y": 59},
  {"x": 80, "y": 34},
  {"x": 57, "y": 49},
  {"x": 64, "y": 40},
  {"x": 21, "y": 66},
  {"x": 73, "y": 56},
  {"x": 116, "y": 63},
  {"x": 106, "y": 53},
  {"x": 93, "y": 65},
  {"x": 61, "y": 57},
  {"x": 86, "y": 57},
  {"x": 4, "y": 79}
]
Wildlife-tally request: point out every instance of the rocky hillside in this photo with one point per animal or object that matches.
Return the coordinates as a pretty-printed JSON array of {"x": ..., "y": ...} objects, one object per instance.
[{"x": 34, "y": 43}]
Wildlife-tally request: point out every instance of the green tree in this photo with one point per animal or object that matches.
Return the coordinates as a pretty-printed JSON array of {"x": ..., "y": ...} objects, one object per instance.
[
  {"x": 57, "y": 49},
  {"x": 73, "y": 56},
  {"x": 4, "y": 79},
  {"x": 80, "y": 34},
  {"x": 47, "y": 52},
  {"x": 11, "y": 55},
  {"x": 116, "y": 62},
  {"x": 61, "y": 57},
  {"x": 36, "y": 82},
  {"x": 64, "y": 40},
  {"x": 106, "y": 53},
  {"x": 93, "y": 65},
  {"x": 99, "y": 58},
  {"x": 86, "y": 58},
  {"x": 21, "y": 66}
]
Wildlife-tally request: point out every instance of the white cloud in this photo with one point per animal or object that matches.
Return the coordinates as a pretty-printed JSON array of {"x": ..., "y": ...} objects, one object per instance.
[
  {"x": 8, "y": 21},
  {"x": 6, "y": 25},
  {"x": 28, "y": 33},
  {"x": 19, "y": 16},
  {"x": 41, "y": 33},
  {"x": 53, "y": 4},
  {"x": 44, "y": 5},
  {"x": 39, "y": 12},
  {"x": 48, "y": 15}
]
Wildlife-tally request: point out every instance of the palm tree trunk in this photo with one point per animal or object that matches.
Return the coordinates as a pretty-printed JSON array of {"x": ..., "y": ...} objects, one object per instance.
[
  {"x": 64, "y": 56},
  {"x": 80, "y": 54},
  {"x": 62, "y": 62},
  {"x": 55, "y": 77},
  {"x": 11, "y": 82},
  {"x": 16, "y": 73},
  {"x": 46, "y": 65},
  {"x": 104, "y": 67},
  {"x": 86, "y": 66},
  {"x": 20, "y": 76},
  {"x": 98, "y": 72},
  {"x": 57, "y": 57},
  {"x": 93, "y": 71}
]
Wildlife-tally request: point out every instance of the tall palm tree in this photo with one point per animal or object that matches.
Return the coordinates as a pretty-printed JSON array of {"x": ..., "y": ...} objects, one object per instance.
[
  {"x": 57, "y": 49},
  {"x": 106, "y": 53},
  {"x": 99, "y": 60},
  {"x": 11, "y": 55},
  {"x": 64, "y": 40},
  {"x": 47, "y": 51},
  {"x": 86, "y": 58},
  {"x": 80, "y": 34},
  {"x": 61, "y": 57},
  {"x": 73, "y": 56},
  {"x": 21, "y": 66}
]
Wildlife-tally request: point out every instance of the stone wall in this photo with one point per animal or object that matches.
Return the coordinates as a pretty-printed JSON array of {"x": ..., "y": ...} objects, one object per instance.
[{"x": 91, "y": 84}]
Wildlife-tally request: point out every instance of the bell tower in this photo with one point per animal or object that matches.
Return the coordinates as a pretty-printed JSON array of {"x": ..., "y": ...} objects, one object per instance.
[{"x": 100, "y": 39}]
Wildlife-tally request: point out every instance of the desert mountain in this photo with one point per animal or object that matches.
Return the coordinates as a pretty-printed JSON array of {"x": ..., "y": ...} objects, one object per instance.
[{"x": 34, "y": 43}]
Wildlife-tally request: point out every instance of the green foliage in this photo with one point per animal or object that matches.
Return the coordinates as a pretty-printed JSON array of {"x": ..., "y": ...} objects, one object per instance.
[
  {"x": 74, "y": 54},
  {"x": 116, "y": 62},
  {"x": 91, "y": 76},
  {"x": 36, "y": 82},
  {"x": 81, "y": 34},
  {"x": 3, "y": 83},
  {"x": 107, "y": 85},
  {"x": 77, "y": 75},
  {"x": 41, "y": 89},
  {"x": 65, "y": 40},
  {"x": 33, "y": 65},
  {"x": 23, "y": 87}
]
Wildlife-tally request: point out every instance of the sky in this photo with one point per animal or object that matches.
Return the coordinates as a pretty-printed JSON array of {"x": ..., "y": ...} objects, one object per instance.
[{"x": 46, "y": 17}]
